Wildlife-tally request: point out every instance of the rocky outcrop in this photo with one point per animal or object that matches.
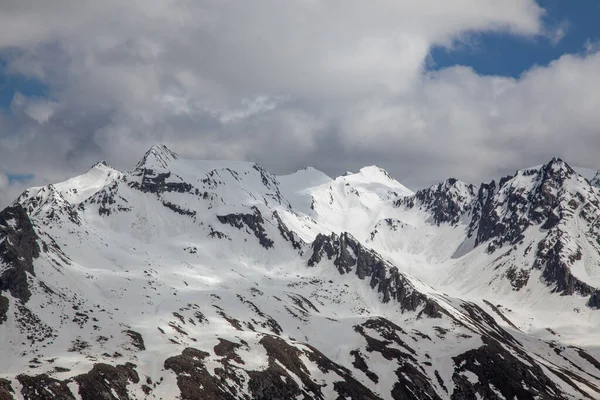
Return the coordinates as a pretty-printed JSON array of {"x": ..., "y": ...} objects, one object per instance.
[
  {"x": 492, "y": 371},
  {"x": 108, "y": 200},
  {"x": 3, "y": 309},
  {"x": 349, "y": 255},
  {"x": 45, "y": 387},
  {"x": 48, "y": 206},
  {"x": 287, "y": 234},
  {"x": 555, "y": 261},
  {"x": 548, "y": 198},
  {"x": 594, "y": 300},
  {"x": 193, "y": 379},
  {"x": 502, "y": 213},
  {"x": 446, "y": 201},
  {"x": 158, "y": 182},
  {"x": 104, "y": 381},
  {"x": 413, "y": 382},
  {"x": 158, "y": 156},
  {"x": 6, "y": 390},
  {"x": 253, "y": 221},
  {"x": 18, "y": 248},
  {"x": 286, "y": 375}
]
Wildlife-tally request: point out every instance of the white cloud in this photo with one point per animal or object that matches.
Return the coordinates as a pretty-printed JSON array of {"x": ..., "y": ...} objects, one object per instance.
[
  {"x": 38, "y": 109},
  {"x": 3, "y": 181},
  {"x": 321, "y": 82}
]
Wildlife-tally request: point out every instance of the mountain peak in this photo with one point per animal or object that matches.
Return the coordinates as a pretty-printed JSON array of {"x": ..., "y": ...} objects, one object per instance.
[
  {"x": 558, "y": 165},
  {"x": 101, "y": 165},
  {"x": 157, "y": 156},
  {"x": 447, "y": 201},
  {"x": 595, "y": 181},
  {"x": 374, "y": 170}
]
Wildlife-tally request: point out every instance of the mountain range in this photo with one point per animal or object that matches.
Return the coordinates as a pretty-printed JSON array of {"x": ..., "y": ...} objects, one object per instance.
[{"x": 221, "y": 280}]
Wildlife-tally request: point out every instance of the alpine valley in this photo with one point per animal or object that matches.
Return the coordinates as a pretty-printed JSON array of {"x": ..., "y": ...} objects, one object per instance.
[{"x": 185, "y": 279}]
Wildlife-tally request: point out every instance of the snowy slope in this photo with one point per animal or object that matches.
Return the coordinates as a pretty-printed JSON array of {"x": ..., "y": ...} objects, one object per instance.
[{"x": 220, "y": 280}]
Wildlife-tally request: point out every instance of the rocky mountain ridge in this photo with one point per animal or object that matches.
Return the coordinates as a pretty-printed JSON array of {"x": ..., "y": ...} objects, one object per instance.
[{"x": 220, "y": 280}]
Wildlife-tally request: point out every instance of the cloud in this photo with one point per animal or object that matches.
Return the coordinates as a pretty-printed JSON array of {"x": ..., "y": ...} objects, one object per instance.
[
  {"x": 325, "y": 83},
  {"x": 3, "y": 181}
]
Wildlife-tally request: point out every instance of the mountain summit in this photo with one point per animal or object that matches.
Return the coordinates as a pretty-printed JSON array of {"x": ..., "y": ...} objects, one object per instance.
[{"x": 221, "y": 280}]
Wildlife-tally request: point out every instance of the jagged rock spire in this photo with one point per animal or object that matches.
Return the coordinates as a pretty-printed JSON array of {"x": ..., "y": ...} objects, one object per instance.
[{"x": 157, "y": 156}]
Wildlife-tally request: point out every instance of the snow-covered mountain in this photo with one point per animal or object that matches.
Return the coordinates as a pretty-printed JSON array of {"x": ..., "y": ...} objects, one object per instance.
[{"x": 220, "y": 280}]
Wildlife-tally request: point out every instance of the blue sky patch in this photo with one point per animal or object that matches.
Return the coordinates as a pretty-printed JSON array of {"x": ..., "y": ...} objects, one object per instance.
[
  {"x": 504, "y": 54},
  {"x": 19, "y": 178},
  {"x": 12, "y": 83}
]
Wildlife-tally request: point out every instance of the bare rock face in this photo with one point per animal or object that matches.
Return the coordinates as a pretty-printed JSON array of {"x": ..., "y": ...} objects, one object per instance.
[
  {"x": 287, "y": 376},
  {"x": 3, "y": 309},
  {"x": 349, "y": 256},
  {"x": 412, "y": 381},
  {"x": 446, "y": 201},
  {"x": 6, "y": 390},
  {"x": 104, "y": 380},
  {"x": 18, "y": 248},
  {"x": 159, "y": 182},
  {"x": 495, "y": 366},
  {"x": 502, "y": 213},
  {"x": 44, "y": 387},
  {"x": 594, "y": 301},
  {"x": 193, "y": 379},
  {"x": 253, "y": 221}
]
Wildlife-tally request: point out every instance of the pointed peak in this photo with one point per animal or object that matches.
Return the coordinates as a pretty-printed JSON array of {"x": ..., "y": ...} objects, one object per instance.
[
  {"x": 595, "y": 181},
  {"x": 374, "y": 169},
  {"x": 556, "y": 162},
  {"x": 102, "y": 165},
  {"x": 555, "y": 167},
  {"x": 157, "y": 156},
  {"x": 452, "y": 183}
]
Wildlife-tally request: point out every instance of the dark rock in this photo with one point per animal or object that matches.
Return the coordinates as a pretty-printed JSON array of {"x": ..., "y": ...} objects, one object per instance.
[
  {"x": 593, "y": 302},
  {"x": 497, "y": 367},
  {"x": 43, "y": 387},
  {"x": 17, "y": 251},
  {"x": 6, "y": 390},
  {"x": 360, "y": 364},
  {"x": 156, "y": 182},
  {"x": 517, "y": 277},
  {"x": 159, "y": 155},
  {"x": 268, "y": 384},
  {"x": 194, "y": 380},
  {"x": 270, "y": 182},
  {"x": 446, "y": 201},
  {"x": 179, "y": 210},
  {"x": 275, "y": 382},
  {"x": 136, "y": 339},
  {"x": 227, "y": 349},
  {"x": 348, "y": 254},
  {"x": 49, "y": 205},
  {"x": 412, "y": 382},
  {"x": 287, "y": 234},
  {"x": 524, "y": 207},
  {"x": 556, "y": 270},
  {"x": 253, "y": 221},
  {"x": 269, "y": 322},
  {"x": 104, "y": 380},
  {"x": 3, "y": 309}
]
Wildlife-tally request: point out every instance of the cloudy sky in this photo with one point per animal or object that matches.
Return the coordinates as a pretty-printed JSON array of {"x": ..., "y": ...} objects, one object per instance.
[{"x": 426, "y": 89}]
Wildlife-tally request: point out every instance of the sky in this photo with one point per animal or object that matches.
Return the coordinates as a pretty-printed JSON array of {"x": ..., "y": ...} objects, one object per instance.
[{"x": 472, "y": 89}]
